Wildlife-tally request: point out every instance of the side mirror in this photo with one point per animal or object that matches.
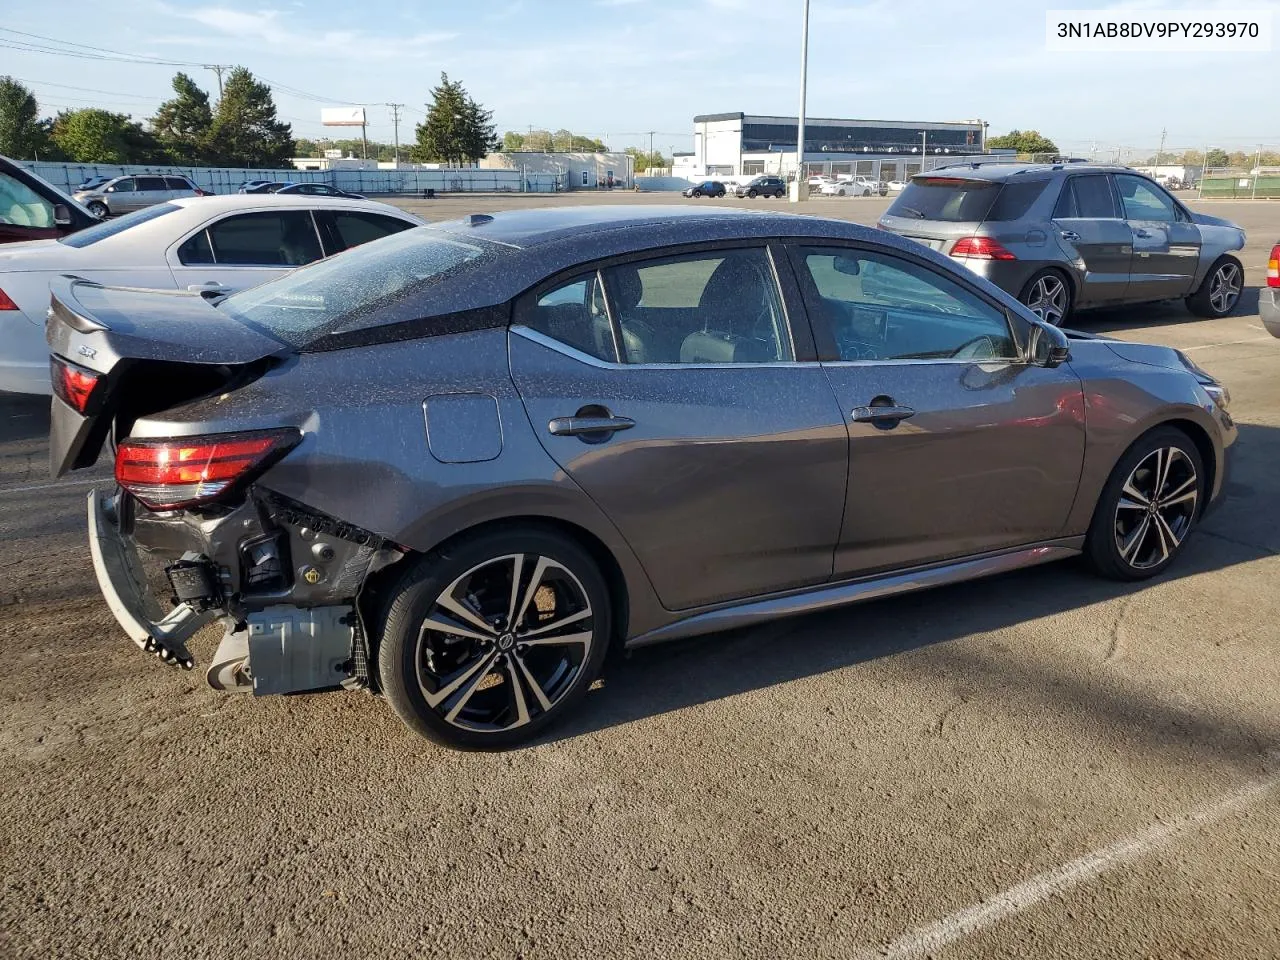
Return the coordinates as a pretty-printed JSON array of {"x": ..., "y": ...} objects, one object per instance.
[
  {"x": 109, "y": 190},
  {"x": 1048, "y": 346},
  {"x": 61, "y": 215}
]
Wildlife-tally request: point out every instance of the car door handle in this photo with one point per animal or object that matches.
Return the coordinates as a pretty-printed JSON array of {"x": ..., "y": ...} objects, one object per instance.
[
  {"x": 891, "y": 413},
  {"x": 1144, "y": 234},
  {"x": 1070, "y": 235},
  {"x": 209, "y": 286},
  {"x": 577, "y": 426}
]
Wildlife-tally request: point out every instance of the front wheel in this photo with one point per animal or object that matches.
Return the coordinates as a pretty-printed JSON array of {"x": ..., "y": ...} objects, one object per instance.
[
  {"x": 489, "y": 641},
  {"x": 1048, "y": 296},
  {"x": 1220, "y": 291},
  {"x": 98, "y": 209},
  {"x": 751, "y": 194},
  {"x": 1147, "y": 508},
  {"x": 697, "y": 193},
  {"x": 840, "y": 193}
]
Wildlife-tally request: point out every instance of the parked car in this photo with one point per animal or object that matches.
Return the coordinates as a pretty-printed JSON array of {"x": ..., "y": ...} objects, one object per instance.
[
  {"x": 215, "y": 246},
  {"x": 439, "y": 468},
  {"x": 1068, "y": 237},
  {"x": 264, "y": 186},
  {"x": 315, "y": 190},
  {"x": 707, "y": 188},
  {"x": 126, "y": 194},
  {"x": 817, "y": 181},
  {"x": 1269, "y": 296},
  {"x": 91, "y": 183},
  {"x": 766, "y": 186},
  {"x": 31, "y": 208}
]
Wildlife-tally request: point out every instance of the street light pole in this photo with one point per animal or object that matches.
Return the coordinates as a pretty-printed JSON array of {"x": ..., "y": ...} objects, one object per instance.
[
  {"x": 801, "y": 189},
  {"x": 924, "y": 149}
]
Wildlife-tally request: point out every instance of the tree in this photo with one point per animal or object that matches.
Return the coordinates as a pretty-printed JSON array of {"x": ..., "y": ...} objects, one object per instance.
[
  {"x": 183, "y": 123},
  {"x": 645, "y": 160},
  {"x": 22, "y": 135},
  {"x": 1023, "y": 141},
  {"x": 540, "y": 141},
  {"x": 100, "y": 136},
  {"x": 1216, "y": 158},
  {"x": 245, "y": 131},
  {"x": 457, "y": 129}
]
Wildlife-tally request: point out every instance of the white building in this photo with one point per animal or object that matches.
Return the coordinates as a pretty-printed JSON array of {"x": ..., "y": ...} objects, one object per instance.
[
  {"x": 581, "y": 171},
  {"x": 333, "y": 163},
  {"x": 739, "y": 144}
]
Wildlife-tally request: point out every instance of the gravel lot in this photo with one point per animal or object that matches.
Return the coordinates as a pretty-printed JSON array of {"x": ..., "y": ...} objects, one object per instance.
[{"x": 1039, "y": 765}]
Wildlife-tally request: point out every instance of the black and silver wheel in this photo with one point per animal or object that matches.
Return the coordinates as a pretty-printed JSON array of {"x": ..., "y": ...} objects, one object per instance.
[
  {"x": 98, "y": 209},
  {"x": 697, "y": 193},
  {"x": 752, "y": 193},
  {"x": 1148, "y": 507},
  {"x": 1220, "y": 291},
  {"x": 840, "y": 192},
  {"x": 1048, "y": 296},
  {"x": 491, "y": 640},
  {"x": 719, "y": 194}
]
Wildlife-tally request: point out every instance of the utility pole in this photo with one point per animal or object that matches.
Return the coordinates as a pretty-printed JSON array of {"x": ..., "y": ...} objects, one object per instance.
[
  {"x": 1160, "y": 152},
  {"x": 217, "y": 68},
  {"x": 801, "y": 191},
  {"x": 924, "y": 149},
  {"x": 1257, "y": 169},
  {"x": 651, "y": 133},
  {"x": 395, "y": 123}
]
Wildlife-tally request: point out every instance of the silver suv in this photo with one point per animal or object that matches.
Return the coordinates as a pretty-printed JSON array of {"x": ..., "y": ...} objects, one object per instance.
[
  {"x": 126, "y": 194},
  {"x": 1072, "y": 236}
]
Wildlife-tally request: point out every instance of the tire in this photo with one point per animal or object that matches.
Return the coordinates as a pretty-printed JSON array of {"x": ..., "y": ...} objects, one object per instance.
[
  {"x": 497, "y": 690},
  {"x": 697, "y": 193},
  {"x": 866, "y": 193},
  {"x": 780, "y": 194},
  {"x": 98, "y": 209},
  {"x": 840, "y": 192},
  {"x": 720, "y": 195},
  {"x": 751, "y": 194},
  {"x": 1130, "y": 541},
  {"x": 1220, "y": 292},
  {"x": 1048, "y": 295}
]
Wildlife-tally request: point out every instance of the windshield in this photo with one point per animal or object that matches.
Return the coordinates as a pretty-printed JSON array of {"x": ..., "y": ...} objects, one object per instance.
[
  {"x": 109, "y": 228},
  {"x": 378, "y": 282}
]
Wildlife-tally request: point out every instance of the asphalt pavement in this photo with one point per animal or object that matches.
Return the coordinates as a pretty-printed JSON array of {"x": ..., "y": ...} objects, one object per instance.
[{"x": 1038, "y": 765}]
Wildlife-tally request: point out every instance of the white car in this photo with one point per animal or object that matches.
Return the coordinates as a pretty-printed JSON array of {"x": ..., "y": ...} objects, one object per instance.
[
  {"x": 209, "y": 245},
  {"x": 852, "y": 187},
  {"x": 897, "y": 186}
]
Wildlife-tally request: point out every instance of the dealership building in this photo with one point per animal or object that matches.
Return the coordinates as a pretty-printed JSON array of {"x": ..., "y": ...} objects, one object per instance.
[{"x": 740, "y": 144}]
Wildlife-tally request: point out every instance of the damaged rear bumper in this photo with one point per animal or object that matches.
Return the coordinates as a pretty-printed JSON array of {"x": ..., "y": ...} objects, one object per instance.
[{"x": 282, "y": 641}]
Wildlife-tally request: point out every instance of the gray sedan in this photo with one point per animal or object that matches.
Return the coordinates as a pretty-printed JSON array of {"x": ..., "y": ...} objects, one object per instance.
[
  {"x": 457, "y": 465},
  {"x": 1066, "y": 237}
]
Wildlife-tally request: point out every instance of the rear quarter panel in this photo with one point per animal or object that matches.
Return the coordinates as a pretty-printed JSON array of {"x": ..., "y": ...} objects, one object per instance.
[{"x": 365, "y": 456}]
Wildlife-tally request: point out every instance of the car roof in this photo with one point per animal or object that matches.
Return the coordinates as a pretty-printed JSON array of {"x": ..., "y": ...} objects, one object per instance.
[
  {"x": 979, "y": 170},
  {"x": 235, "y": 201}
]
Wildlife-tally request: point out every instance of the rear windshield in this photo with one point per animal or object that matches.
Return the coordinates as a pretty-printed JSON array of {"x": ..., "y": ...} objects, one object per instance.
[
  {"x": 956, "y": 200},
  {"x": 383, "y": 281},
  {"x": 109, "y": 228}
]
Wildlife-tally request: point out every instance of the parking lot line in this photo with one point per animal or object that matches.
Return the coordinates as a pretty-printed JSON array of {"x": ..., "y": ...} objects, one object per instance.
[
  {"x": 1224, "y": 343},
  {"x": 927, "y": 939},
  {"x": 54, "y": 486}
]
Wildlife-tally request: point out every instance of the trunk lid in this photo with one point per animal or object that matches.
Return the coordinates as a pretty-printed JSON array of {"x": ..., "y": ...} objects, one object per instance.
[{"x": 151, "y": 349}]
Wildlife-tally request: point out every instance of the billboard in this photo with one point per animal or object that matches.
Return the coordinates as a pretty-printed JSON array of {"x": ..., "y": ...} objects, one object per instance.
[{"x": 342, "y": 116}]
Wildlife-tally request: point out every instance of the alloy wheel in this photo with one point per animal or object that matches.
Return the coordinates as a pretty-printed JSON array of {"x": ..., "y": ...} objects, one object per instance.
[
  {"x": 1048, "y": 298},
  {"x": 504, "y": 643},
  {"x": 1156, "y": 508},
  {"x": 1224, "y": 288}
]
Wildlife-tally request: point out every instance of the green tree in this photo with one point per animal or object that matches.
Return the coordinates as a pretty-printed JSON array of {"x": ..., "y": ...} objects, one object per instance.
[
  {"x": 183, "y": 123},
  {"x": 457, "y": 128},
  {"x": 512, "y": 142},
  {"x": 541, "y": 141},
  {"x": 22, "y": 135},
  {"x": 245, "y": 131},
  {"x": 1024, "y": 141},
  {"x": 100, "y": 136},
  {"x": 645, "y": 160},
  {"x": 1216, "y": 158}
]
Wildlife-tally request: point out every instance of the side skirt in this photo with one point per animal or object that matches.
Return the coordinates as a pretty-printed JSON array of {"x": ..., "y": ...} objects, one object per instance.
[{"x": 826, "y": 596}]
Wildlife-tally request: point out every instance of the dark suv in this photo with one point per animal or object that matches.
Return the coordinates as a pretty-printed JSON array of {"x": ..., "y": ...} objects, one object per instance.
[
  {"x": 707, "y": 188},
  {"x": 1071, "y": 236},
  {"x": 762, "y": 187}
]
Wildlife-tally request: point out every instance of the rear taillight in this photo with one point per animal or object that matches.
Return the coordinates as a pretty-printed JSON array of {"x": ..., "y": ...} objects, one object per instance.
[
  {"x": 1273, "y": 267},
  {"x": 182, "y": 472},
  {"x": 202, "y": 193},
  {"x": 6, "y": 302},
  {"x": 981, "y": 248},
  {"x": 75, "y": 386}
]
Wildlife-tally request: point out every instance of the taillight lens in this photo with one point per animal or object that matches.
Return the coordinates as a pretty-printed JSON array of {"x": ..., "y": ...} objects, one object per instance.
[
  {"x": 6, "y": 302},
  {"x": 75, "y": 386},
  {"x": 981, "y": 248},
  {"x": 1273, "y": 267},
  {"x": 182, "y": 472}
]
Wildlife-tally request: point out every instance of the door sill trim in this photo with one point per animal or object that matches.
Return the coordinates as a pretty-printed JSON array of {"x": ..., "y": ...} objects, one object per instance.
[{"x": 830, "y": 595}]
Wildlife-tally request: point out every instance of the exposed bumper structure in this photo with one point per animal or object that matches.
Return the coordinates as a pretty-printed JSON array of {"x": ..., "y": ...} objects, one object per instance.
[{"x": 123, "y": 584}]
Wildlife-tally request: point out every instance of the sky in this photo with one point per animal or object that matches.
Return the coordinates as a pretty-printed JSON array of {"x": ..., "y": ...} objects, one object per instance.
[{"x": 616, "y": 69}]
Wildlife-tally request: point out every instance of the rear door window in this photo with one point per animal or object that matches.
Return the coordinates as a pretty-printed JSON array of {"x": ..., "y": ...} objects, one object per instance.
[
  {"x": 152, "y": 184},
  {"x": 279, "y": 239},
  {"x": 353, "y": 228},
  {"x": 1088, "y": 196},
  {"x": 20, "y": 206},
  {"x": 178, "y": 183},
  {"x": 1015, "y": 199}
]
